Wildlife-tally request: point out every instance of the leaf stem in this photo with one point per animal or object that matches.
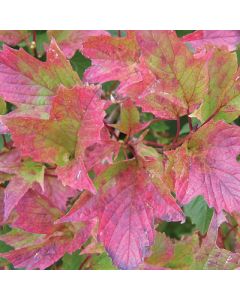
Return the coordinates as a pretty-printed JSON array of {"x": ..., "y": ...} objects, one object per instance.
[
  {"x": 155, "y": 144},
  {"x": 84, "y": 262},
  {"x": 119, "y": 33},
  {"x": 190, "y": 122},
  {"x": 178, "y": 131},
  {"x": 34, "y": 43},
  {"x": 212, "y": 116}
]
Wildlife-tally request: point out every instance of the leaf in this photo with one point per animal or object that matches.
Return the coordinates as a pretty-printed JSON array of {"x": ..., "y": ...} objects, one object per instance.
[
  {"x": 75, "y": 124},
  {"x": 10, "y": 161},
  {"x": 128, "y": 200},
  {"x": 117, "y": 58},
  {"x": 173, "y": 65},
  {"x": 28, "y": 173},
  {"x": 129, "y": 119},
  {"x": 13, "y": 37},
  {"x": 26, "y": 80},
  {"x": 71, "y": 40},
  {"x": 223, "y": 98},
  {"x": 80, "y": 63},
  {"x": 72, "y": 261},
  {"x": 46, "y": 253},
  {"x": 189, "y": 254},
  {"x": 35, "y": 213},
  {"x": 3, "y": 107},
  {"x": 55, "y": 191},
  {"x": 17, "y": 238},
  {"x": 202, "y": 38},
  {"x": 100, "y": 262},
  {"x": 199, "y": 213},
  {"x": 101, "y": 153},
  {"x": 206, "y": 164},
  {"x": 1, "y": 205}
]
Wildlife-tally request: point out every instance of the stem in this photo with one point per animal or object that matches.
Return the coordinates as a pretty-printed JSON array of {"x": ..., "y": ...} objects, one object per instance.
[
  {"x": 84, "y": 262},
  {"x": 119, "y": 33},
  {"x": 50, "y": 175},
  {"x": 5, "y": 142},
  {"x": 212, "y": 116},
  {"x": 155, "y": 144},
  {"x": 125, "y": 153},
  {"x": 178, "y": 131},
  {"x": 232, "y": 228},
  {"x": 34, "y": 43},
  {"x": 111, "y": 130},
  {"x": 190, "y": 122}
]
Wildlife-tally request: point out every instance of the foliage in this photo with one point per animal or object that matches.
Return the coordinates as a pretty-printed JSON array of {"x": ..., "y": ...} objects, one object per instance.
[{"x": 119, "y": 150}]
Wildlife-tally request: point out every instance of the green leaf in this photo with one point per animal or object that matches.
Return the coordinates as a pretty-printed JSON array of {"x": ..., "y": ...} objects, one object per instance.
[
  {"x": 72, "y": 261},
  {"x": 80, "y": 63},
  {"x": 200, "y": 213},
  {"x": 102, "y": 262}
]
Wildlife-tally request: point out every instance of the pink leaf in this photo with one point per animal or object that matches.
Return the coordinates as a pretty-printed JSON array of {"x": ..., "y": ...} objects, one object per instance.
[
  {"x": 13, "y": 193},
  {"x": 71, "y": 40},
  {"x": 56, "y": 192},
  {"x": 46, "y": 253},
  {"x": 27, "y": 80},
  {"x": 13, "y": 37},
  {"x": 35, "y": 213},
  {"x": 207, "y": 164},
  {"x": 202, "y": 38}
]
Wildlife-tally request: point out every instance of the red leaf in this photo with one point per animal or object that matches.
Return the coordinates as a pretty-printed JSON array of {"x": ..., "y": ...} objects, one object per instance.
[
  {"x": 71, "y": 40},
  {"x": 117, "y": 58}
]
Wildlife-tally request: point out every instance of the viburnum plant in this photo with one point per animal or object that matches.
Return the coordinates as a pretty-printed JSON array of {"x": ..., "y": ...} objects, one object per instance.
[{"x": 120, "y": 150}]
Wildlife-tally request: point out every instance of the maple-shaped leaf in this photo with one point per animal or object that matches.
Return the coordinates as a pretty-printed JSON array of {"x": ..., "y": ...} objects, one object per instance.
[
  {"x": 35, "y": 213},
  {"x": 223, "y": 97},
  {"x": 28, "y": 173},
  {"x": 24, "y": 174},
  {"x": 190, "y": 253},
  {"x": 71, "y": 40},
  {"x": 55, "y": 191},
  {"x": 129, "y": 119},
  {"x": 27, "y": 80},
  {"x": 117, "y": 58},
  {"x": 13, "y": 37},
  {"x": 129, "y": 198},
  {"x": 48, "y": 250},
  {"x": 207, "y": 164},
  {"x": 75, "y": 123},
  {"x": 47, "y": 241},
  {"x": 182, "y": 79},
  {"x": 201, "y": 38}
]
